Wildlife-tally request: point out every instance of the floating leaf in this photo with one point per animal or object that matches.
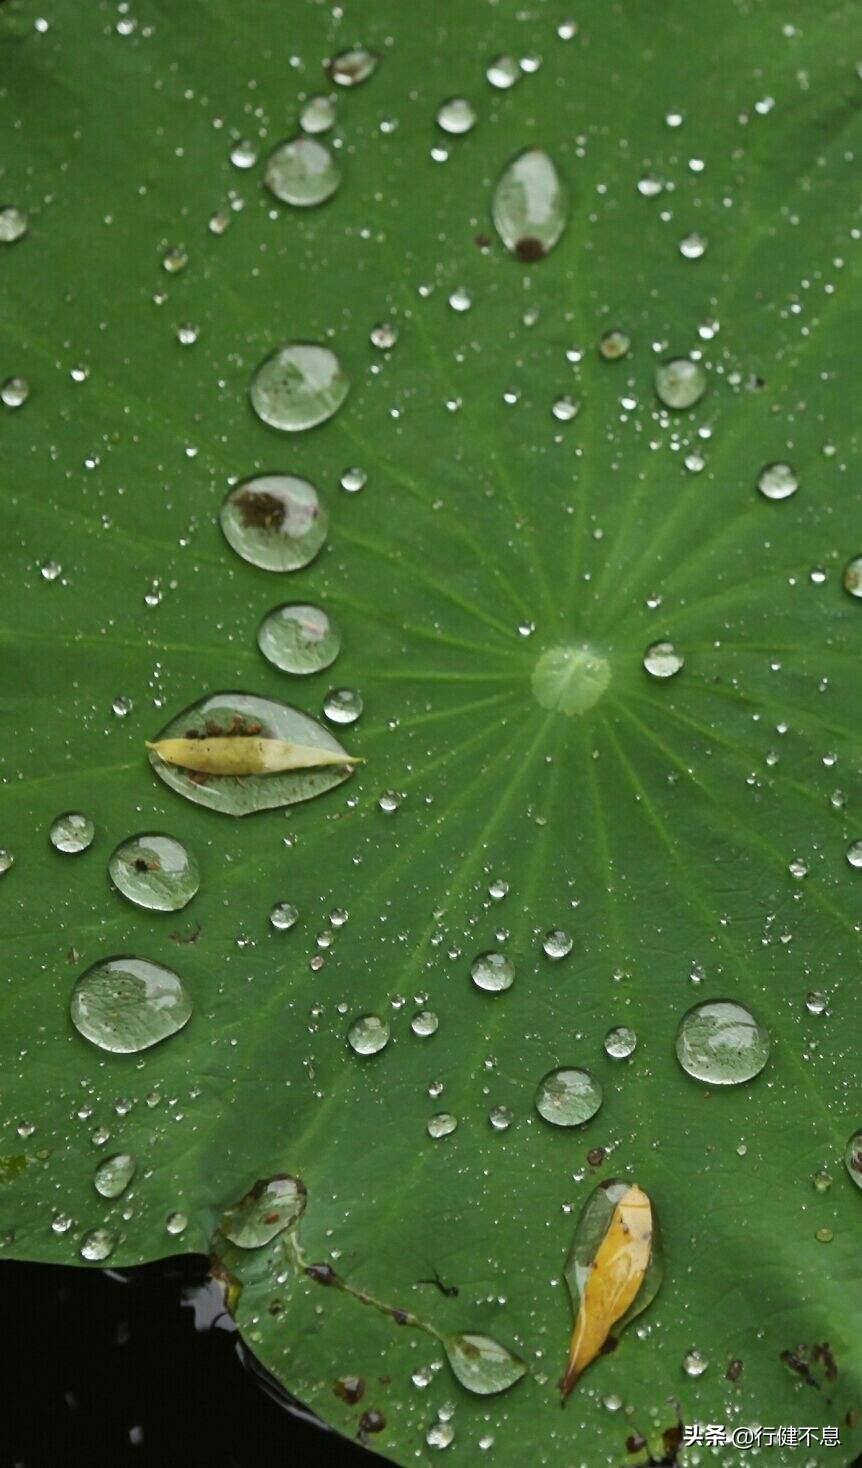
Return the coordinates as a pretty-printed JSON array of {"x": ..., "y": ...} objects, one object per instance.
[
  {"x": 245, "y": 755},
  {"x": 267, "y": 1209},
  {"x": 529, "y": 207},
  {"x": 612, "y": 1270},
  {"x": 481, "y": 1364},
  {"x": 242, "y": 719}
]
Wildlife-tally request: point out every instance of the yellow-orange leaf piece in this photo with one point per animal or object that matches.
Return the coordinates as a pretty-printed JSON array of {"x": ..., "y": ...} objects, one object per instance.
[
  {"x": 245, "y": 754},
  {"x": 616, "y": 1274}
]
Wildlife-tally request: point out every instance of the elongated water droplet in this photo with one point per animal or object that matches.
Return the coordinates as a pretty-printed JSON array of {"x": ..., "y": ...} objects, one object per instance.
[
  {"x": 317, "y": 115},
  {"x": 267, "y": 1209},
  {"x": 492, "y": 972},
  {"x": 368, "y": 1034},
  {"x": 680, "y": 383},
  {"x": 568, "y": 1097},
  {"x": 155, "y": 872},
  {"x": 529, "y": 205},
  {"x": 481, "y": 1364},
  {"x": 853, "y": 1158},
  {"x": 620, "y": 1042},
  {"x": 298, "y": 386},
  {"x": 777, "y": 481},
  {"x": 98, "y": 1245},
  {"x": 456, "y": 116},
  {"x": 299, "y": 638},
  {"x": 721, "y": 1043},
  {"x": 350, "y": 68},
  {"x": 113, "y": 1176},
  {"x": 302, "y": 172},
  {"x": 441, "y": 1125},
  {"x": 276, "y": 522},
  {"x": 72, "y": 833},
  {"x": 662, "y": 660},
  {"x": 503, "y": 72},
  {"x": 343, "y": 706},
  {"x": 128, "y": 1004}
]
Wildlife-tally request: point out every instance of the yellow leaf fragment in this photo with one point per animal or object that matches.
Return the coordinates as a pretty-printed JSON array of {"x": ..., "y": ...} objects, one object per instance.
[
  {"x": 245, "y": 754},
  {"x": 616, "y": 1274}
]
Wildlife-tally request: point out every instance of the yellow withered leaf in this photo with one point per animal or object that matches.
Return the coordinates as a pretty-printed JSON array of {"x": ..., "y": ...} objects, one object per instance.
[
  {"x": 245, "y": 754},
  {"x": 615, "y": 1276}
]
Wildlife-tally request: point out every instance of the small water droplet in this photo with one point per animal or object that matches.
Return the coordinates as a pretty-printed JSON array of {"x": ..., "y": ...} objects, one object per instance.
[
  {"x": 15, "y": 392},
  {"x": 620, "y": 1042},
  {"x": 124, "y": 1005},
  {"x": 816, "y": 1002},
  {"x": 440, "y": 1435},
  {"x": 97, "y": 1245},
  {"x": 50, "y": 570},
  {"x": 343, "y": 705},
  {"x": 276, "y": 522},
  {"x": 352, "y": 480},
  {"x": 302, "y": 172},
  {"x": 121, "y": 706},
  {"x": 721, "y": 1043},
  {"x": 565, "y": 408},
  {"x": 154, "y": 871},
  {"x": 777, "y": 481},
  {"x": 187, "y": 334},
  {"x": 441, "y": 1125},
  {"x": 350, "y": 68},
  {"x": 243, "y": 154},
  {"x": 13, "y": 224},
  {"x": 388, "y": 802},
  {"x": 283, "y": 916},
  {"x": 113, "y": 1176},
  {"x": 614, "y": 345},
  {"x": 498, "y": 890},
  {"x": 798, "y": 868},
  {"x": 822, "y": 1182},
  {"x": 492, "y": 972},
  {"x": 853, "y": 1158},
  {"x": 557, "y": 943},
  {"x": 503, "y": 72},
  {"x": 662, "y": 660},
  {"x": 368, "y": 1034},
  {"x": 680, "y": 383},
  {"x": 317, "y": 115},
  {"x": 456, "y": 116},
  {"x": 61, "y": 1223},
  {"x": 6, "y": 860},
  {"x": 299, "y": 638},
  {"x": 384, "y": 336},
  {"x": 424, "y": 1023},
  {"x": 568, "y": 1097},
  {"x": 694, "y": 1364},
  {"x": 501, "y": 1118},
  {"x": 176, "y": 1223},
  {"x": 298, "y": 386},
  {"x": 693, "y": 246},
  {"x": 824, "y": 1235},
  {"x": 650, "y": 186},
  {"x": 460, "y": 300},
  {"x": 175, "y": 260},
  {"x": 529, "y": 205},
  {"x": 72, "y": 833}
]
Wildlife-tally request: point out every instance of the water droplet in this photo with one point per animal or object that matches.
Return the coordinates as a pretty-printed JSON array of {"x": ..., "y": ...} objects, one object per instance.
[
  {"x": 187, "y": 335},
  {"x": 498, "y": 890},
  {"x": 368, "y": 1034},
  {"x": 456, "y": 116},
  {"x": 124, "y": 1005},
  {"x": 815, "y": 1002},
  {"x": 243, "y": 154},
  {"x": 501, "y": 1118},
  {"x": 176, "y": 1223},
  {"x": 50, "y": 570},
  {"x": 6, "y": 860},
  {"x": 570, "y": 680},
  {"x": 824, "y": 1235},
  {"x": 267, "y": 1209},
  {"x": 15, "y": 392},
  {"x": 276, "y": 522},
  {"x": 662, "y": 660},
  {"x": 529, "y": 205},
  {"x": 492, "y": 972},
  {"x": 851, "y": 578},
  {"x": 155, "y": 871},
  {"x": 121, "y": 706},
  {"x": 299, "y": 638},
  {"x": 61, "y": 1223},
  {"x": 568, "y": 1097},
  {"x": 113, "y": 1176},
  {"x": 721, "y": 1043},
  {"x": 351, "y": 68},
  {"x": 853, "y": 1158},
  {"x": 460, "y": 300},
  {"x": 650, "y": 187},
  {"x": 614, "y": 345},
  {"x": 343, "y": 705},
  {"x": 620, "y": 1042},
  {"x": 481, "y": 1364},
  {"x": 13, "y": 224},
  {"x": 298, "y": 386},
  {"x": 694, "y": 1364},
  {"x": 441, "y": 1125},
  {"x": 693, "y": 246},
  {"x": 565, "y": 408},
  {"x": 352, "y": 480},
  {"x": 854, "y": 854},
  {"x": 283, "y": 916},
  {"x": 798, "y": 868},
  {"x": 317, "y": 115},
  {"x": 440, "y": 1435},
  {"x": 557, "y": 943},
  {"x": 503, "y": 72},
  {"x": 424, "y": 1023},
  {"x": 97, "y": 1245},
  {"x": 388, "y": 802},
  {"x": 72, "y": 833},
  {"x": 302, "y": 172},
  {"x": 680, "y": 383},
  {"x": 175, "y": 260},
  {"x": 777, "y": 481},
  {"x": 822, "y": 1182}
]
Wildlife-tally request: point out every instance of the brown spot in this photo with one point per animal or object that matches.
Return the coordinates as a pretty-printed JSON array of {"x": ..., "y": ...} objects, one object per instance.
[
  {"x": 596, "y": 1156},
  {"x": 823, "y": 1353},
  {"x": 260, "y": 510},
  {"x": 72, "y": 956},
  {"x": 635, "y": 1443},
  {"x": 401, "y": 1317},
  {"x": 529, "y": 249},
  {"x": 372, "y": 1421},
  {"x": 350, "y": 1389},
  {"x": 734, "y": 1370},
  {"x": 276, "y": 1307},
  {"x": 484, "y": 243},
  {"x": 191, "y": 936},
  {"x": 141, "y": 864},
  {"x": 322, "y": 1273},
  {"x": 672, "y": 1439},
  {"x": 796, "y": 1361}
]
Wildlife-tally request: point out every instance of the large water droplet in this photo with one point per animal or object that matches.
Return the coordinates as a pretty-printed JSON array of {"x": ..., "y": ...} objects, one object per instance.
[
  {"x": 777, "y": 481},
  {"x": 276, "y": 522},
  {"x": 98, "y": 1245},
  {"x": 620, "y": 1042},
  {"x": 721, "y": 1043},
  {"x": 113, "y": 1176},
  {"x": 570, "y": 679},
  {"x": 128, "y": 1004},
  {"x": 155, "y": 871},
  {"x": 854, "y": 854},
  {"x": 283, "y": 916},
  {"x": 456, "y": 116},
  {"x": 15, "y": 392},
  {"x": 529, "y": 205},
  {"x": 424, "y": 1024},
  {"x": 299, "y": 638},
  {"x": 662, "y": 660},
  {"x": 557, "y": 943},
  {"x": 72, "y": 833},
  {"x": 302, "y": 172},
  {"x": 680, "y": 383},
  {"x": 271, "y": 1206},
  {"x": 852, "y": 577},
  {"x": 343, "y": 706},
  {"x": 568, "y": 1097},
  {"x": 298, "y": 386},
  {"x": 6, "y": 860},
  {"x": 350, "y": 68},
  {"x": 853, "y": 1158},
  {"x": 13, "y": 224},
  {"x": 441, "y": 1125},
  {"x": 481, "y": 1364},
  {"x": 368, "y": 1034},
  {"x": 317, "y": 115},
  {"x": 492, "y": 972}
]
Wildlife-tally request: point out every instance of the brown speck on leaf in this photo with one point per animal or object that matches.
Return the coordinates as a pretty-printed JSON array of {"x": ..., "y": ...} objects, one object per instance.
[
  {"x": 72, "y": 956},
  {"x": 371, "y": 1421},
  {"x": 260, "y": 511},
  {"x": 276, "y": 1307},
  {"x": 400, "y": 1317},
  {"x": 191, "y": 936},
  {"x": 596, "y": 1156},
  {"x": 635, "y": 1443},
  {"x": 529, "y": 249},
  {"x": 823, "y": 1354},
  {"x": 734, "y": 1370},
  {"x": 672, "y": 1439},
  {"x": 484, "y": 243},
  {"x": 350, "y": 1389},
  {"x": 322, "y": 1273},
  {"x": 796, "y": 1361}
]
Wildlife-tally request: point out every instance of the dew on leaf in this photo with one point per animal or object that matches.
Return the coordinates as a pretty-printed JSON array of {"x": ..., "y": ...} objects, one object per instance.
[
  {"x": 299, "y": 638},
  {"x": 298, "y": 386},
  {"x": 13, "y": 224},
  {"x": 302, "y": 172},
  {"x": 15, "y": 392},
  {"x": 851, "y": 578},
  {"x": 267, "y": 1209},
  {"x": 276, "y": 522},
  {"x": 424, "y": 1023},
  {"x": 368, "y": 1034},
  {"x": 440, "y": 1435},
  {"x": 853, "y": 1158},
  {"x": 620, "y": 1042},
  {"x": 680, "y": 383},
  {"x": 350, "y": 68},
  {"x": 721, "y": 1043},
  {"x": 816, "y": 1002},
  {"x": 456, "y": 116},
  {"x": 501, "y": 1118},
  {"x": 662, "y": 660},
  {"x": 113, "y": 1176},
  {"x": 529, "y": 205},
  {"x": 155, "y": 871},
  {"x": 481, "y": 1364},
  {"x": 175, "y": 260},
  {"x": 460, "y": 299},
  {"x": 694, "y": 1363},
  {"x": 566, "y": 408},
  {"x": 98, "y": 1245},
  {"x": 777, "y": 481},
  {"x": 317, "y": 115},
  {"x": 557, "y": 943},
  {"x": 649, "y": 186},
  {"x": 389, "y": 802},
  {"x": 854, "y": 854},
  {"x": 441, "y": 1125},
  {"x": 343, "y": 706},
  {"x": 6, "y": 860},
  {"x": 568, "y": 1097},
  {"x": 352, "y": 480},
  {"x": 614, "y": 345},
  {"x": 492, "y": 972},
  {"x": 125, "y": 1005},
  {"x": 72, "y": 833},
  {"x": 498, "y": 890},
  {"x": 176, "y": 1223},
  {"x": 570, "y": 679},
  {"x": 384, "y": 336},
  {"x": 692, "y": 246},
  {"x": 121, "y": 706},
  {"x": 50, "y": 570},
  {"x": 243, "y": 154}
]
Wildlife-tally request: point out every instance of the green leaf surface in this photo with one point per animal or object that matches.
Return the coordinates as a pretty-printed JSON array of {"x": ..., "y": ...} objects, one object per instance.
[{"x": 496, "y": 584}]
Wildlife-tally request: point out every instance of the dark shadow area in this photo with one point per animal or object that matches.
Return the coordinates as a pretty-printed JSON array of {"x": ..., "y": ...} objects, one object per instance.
[{"x": 110, "y": 1369}]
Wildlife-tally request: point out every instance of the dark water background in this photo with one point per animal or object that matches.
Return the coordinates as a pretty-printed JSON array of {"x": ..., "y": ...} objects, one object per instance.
[{"x": 110, "y": 1369}]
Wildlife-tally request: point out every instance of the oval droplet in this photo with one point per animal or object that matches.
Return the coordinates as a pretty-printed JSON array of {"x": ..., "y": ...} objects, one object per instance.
[
  {"x": 98, "y": 1245},
  {"x": 721, "y": 1043},
  {"x": 557, "y": 943},
  {"x": 14, "y": 392},
  {"x": 853, "y": 1158},
  {"x": 350, "y": 68},
  {"x": 283, "y": 916},
  {"x": 441, "y": 1125},
  {"x": 568, "y": 1097},
  {"x": 456, "y": 116},
  {"x": 529, "y": 205},
  {"x": 620, "y": 1042},
  {"x": 424, "y": 1023},
  {"x": 299, "y": 638},
  {"x": 72, "y": 833},
  {"x": 481, "y": 1364},
  {"x": 113, "y": 1176},
  {"x": 343, "y": 706},
  {"x": 680, "y": 383},
  {"x": 155, "y": 872},
  {"x": 298, "y": 386},
  {"x": 614, "y": 345},
  {"x": 777, "y": 481},
  {"x": 13, "y": 224},
  {"x": 125, "y": 1005},
  {"x": 503, "y": 72},
  {"x": 492, "y": 972},
  {"x": 276, "y": 522},
  {"x": 368, "y": 1034},
  {"x": 317, "y": 115},
  {"x": 267, "y": 1209},
  {"x": 662, "y": 660},
  {"x": 302, "y": 172}
]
